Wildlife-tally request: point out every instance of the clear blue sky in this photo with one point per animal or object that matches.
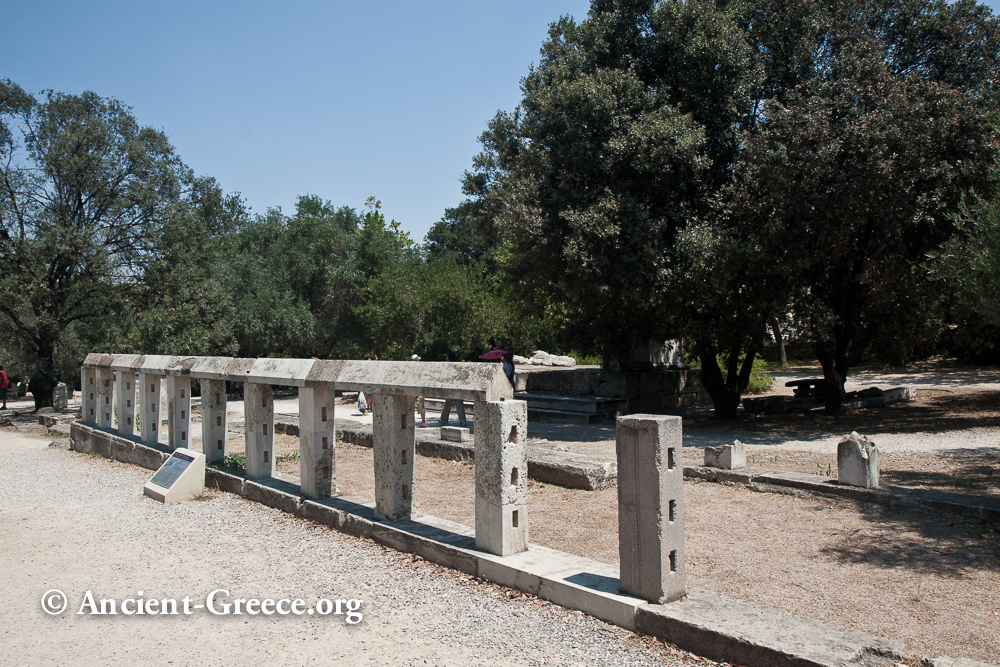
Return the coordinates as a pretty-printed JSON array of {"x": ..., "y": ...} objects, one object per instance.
[{"x": 340, "y": 99}]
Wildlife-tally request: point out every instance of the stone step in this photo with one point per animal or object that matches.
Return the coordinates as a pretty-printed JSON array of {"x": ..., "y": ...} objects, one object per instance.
[
  {"x": 586, "y": 404},
  {"x": 568, "y": 417}
]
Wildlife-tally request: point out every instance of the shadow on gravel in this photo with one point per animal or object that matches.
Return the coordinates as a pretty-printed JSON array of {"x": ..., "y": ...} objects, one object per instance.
[
  {"x": 974, "y": 472},
  {"x": 938, "y": 543},
  {"x": 934, "y": 410}
]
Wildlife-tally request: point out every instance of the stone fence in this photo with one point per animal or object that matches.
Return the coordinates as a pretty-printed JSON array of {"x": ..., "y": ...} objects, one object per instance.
[{"x": 501, "y": 454}]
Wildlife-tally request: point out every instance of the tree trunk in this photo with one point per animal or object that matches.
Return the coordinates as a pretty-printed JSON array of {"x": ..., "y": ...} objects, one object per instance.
[
  {"x": 725, "y": 399},
  {"x": 776, "y": 330},
  {"x": 834, "y": 381},
  {"x": 43, "y": 379}
]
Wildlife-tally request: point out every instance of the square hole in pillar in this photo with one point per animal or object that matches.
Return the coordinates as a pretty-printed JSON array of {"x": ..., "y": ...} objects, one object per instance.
[
  {"x": 218, "y": 420},
  {"x": 183, "y": 395},
  {"x": 670, "y": 458},
  {"x": 672, "y": 511},
  {"x": 513, "y": 519},
  {"x": 267, "y": 456},
  {"x": 264, "y": 426},
  {"x": 152, "y": 388},
  {"x": 128, "y": 402},
  {"x": 91, "y": 396},
  {"x": 91, "y": 380},
  {"x": 322, "y": 414},
  {"x": 512, "y": 437},
  {"x": 183, "y": 414},
  {"x": 326, "y": 442},
  {"x": 152, "y": 407},
  {"x": 129, "y": 420},
  {"x": 128, "y": 385},
  {"x": 673, "y": 562},
  {"x": 92, "y": 412},
  {"x": 184, "y": 435},
  {"x": 263, "y": 401},
  {"x": 402, "y": 421},
  {"x": 403, "y": 456},
  {"x": 219, "y": 446},
  {"x": 406, "y": 492},
  {"x": 513, "y": 476}
]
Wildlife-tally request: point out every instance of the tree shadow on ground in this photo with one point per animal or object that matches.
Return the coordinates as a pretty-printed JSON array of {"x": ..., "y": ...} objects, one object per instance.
[
  {"x": 973, "y": 472},
  {"x": 934, "y": 410},
  {"x": 933, "y": 542}
]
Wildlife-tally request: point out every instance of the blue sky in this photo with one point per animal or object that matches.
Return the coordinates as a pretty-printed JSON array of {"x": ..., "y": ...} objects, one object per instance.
[{"x": 344, "y": 100}]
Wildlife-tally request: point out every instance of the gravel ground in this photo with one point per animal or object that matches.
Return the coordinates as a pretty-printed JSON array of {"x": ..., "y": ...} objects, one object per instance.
[
  {"x": 929, "y": 581},
  {"x": 77, "y": 523}
]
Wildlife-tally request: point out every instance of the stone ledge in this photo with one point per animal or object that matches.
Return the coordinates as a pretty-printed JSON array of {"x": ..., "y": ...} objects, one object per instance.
[
  {"x": 728, "y": 630},
  {"x": 893, "y": 497},
  {"x": 704, "y": 623}
]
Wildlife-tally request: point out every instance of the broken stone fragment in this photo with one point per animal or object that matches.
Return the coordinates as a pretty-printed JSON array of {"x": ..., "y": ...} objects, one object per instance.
[
  {"x": 857, "y": 462},
  {"x": 727, "y": 457}
]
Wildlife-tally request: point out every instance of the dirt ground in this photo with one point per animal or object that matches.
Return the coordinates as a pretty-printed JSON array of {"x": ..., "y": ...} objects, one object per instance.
[
  {"x": 929, "y": 581},
  {"x": 971, "y": 470}
]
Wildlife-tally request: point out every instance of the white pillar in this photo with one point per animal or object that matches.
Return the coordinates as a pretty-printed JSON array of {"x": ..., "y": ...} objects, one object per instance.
[
  {"x": 105, "y": 390},
  {"x": 149, "y": 407},
  {"x": 178, "y": 411},
  {"x": 317, "y": 454},
  {"x": 214, "y": 442},
  {"x": 125, "y": 386},
  {"x": 394, "y": 445},
  {"x": 651, "y": 507},
  {"x": 89, "y": 395},
  {"x": 258, "y": 406},
  {"x": 501, "y": 476}
]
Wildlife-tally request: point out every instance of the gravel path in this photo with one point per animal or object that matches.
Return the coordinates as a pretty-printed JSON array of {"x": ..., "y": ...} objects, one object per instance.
[{"x": 78, "y": 523}]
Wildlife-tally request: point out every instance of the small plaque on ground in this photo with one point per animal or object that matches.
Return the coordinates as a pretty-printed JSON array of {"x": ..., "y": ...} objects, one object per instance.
[{"x": 180, "y": 478}]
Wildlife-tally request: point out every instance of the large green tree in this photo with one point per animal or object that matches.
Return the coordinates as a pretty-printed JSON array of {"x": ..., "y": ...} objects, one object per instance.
[
  {"x": 84, "y": 191},
  {"x": 878, "y": 122}
]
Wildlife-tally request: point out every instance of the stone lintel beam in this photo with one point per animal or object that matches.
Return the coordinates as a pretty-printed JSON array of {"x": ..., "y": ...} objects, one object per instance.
[{"x": 464, "y": 381}]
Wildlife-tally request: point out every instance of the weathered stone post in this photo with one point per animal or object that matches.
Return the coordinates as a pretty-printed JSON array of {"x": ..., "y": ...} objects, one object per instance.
[
  {"x": 125, "y": 398},
  {"x": 317, "y": 460},
  {"x": 178, "y": 411},
  {"x": 149, "y": 404},
  {"x": 105, "y": 389},
  {"x": 60, "y": 399},
  {"x": 501, "y": 447},
  {"x": 394, "y": 444},
  {"x": 258, "y": 406},
  {"x": 857, "y": 462},
  {"x": 214, "y": 442},
  {"x": 88, "y": 395},
  {"x": 650, "y": 507}
]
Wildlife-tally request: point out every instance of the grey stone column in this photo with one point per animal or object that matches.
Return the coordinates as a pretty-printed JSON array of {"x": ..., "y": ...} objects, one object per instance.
[
  {"x": 317, "y": 454},
  {"x": 149, "y": 408},
  {"x": 88, "y": 395},
  {"x": 105, "y": 393},
  {"x": 258, "y": 406},
  {"x": 501, "y": 476},
  {"x": 214, "y": 442},
  {"x": 394, "y": 444},
  {"x": 178, "y": 411},
  {"x": 125, "y": 398},
  {"x": 651, "y": 507}
]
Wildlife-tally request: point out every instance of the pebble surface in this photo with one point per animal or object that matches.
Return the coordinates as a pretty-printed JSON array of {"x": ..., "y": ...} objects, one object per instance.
[{"x": 73, "y": 522}]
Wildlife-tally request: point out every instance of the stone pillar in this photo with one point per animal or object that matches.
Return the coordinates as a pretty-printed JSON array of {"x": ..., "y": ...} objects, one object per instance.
[
  {"x": 650, "y": 507},
  {"x": 214, "y": 442},
  {"x": 178, "y": 411},
  {"x": 501, "y": 444},
  {"x": 88, "y": 395},
  {"x": 60, "y": 400},
  {"x": 149, "y": 408},
  {"x": 857, "y": 462},
  {"x": 317, "y": 459},
  {"x": 105, "y": 390},
  {"x": 394, "y": 445},
  {"x": 258, "y": 406},
  {"x": 125, "y": 398}
]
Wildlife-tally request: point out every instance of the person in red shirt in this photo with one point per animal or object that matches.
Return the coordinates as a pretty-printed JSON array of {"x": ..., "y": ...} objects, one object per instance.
[{"x": 4, "y": 383}]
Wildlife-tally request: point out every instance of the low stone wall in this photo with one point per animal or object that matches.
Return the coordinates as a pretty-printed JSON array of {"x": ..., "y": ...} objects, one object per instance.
[{"x": 645, "y": 391}]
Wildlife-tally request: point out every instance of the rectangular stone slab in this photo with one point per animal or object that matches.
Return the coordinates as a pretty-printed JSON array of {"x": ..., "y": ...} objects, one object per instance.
[{"x": 465, "y": 381}]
